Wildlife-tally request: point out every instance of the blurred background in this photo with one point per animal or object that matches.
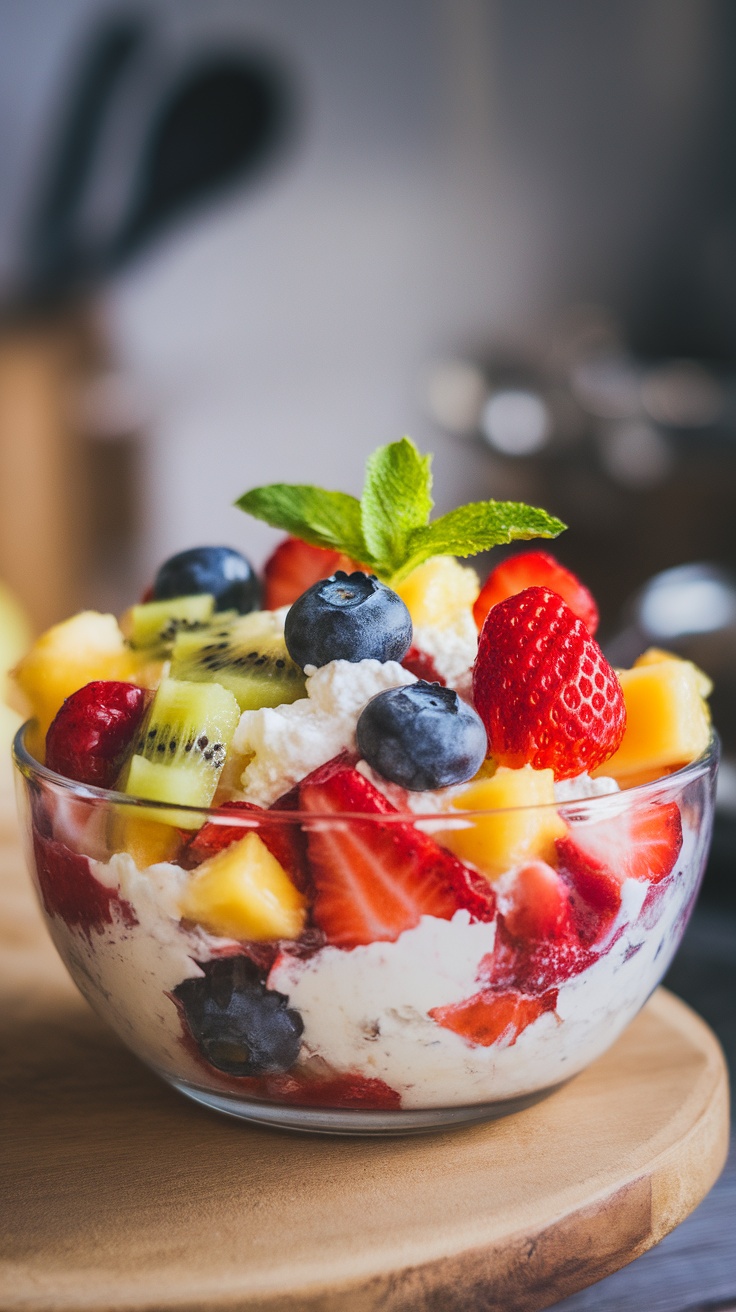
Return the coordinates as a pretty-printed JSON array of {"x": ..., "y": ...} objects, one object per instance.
[
  {"x": 243, "y": 241},
  {"x": 249, "y": 240}
]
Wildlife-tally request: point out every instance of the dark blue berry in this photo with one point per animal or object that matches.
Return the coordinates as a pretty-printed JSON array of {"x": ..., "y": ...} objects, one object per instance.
[
  {"x": 239, "y": 1025},
  {"x": 219, "y": 570},
  {"x": 347, "y": 617},
  {"x": 423, "y": 736}
]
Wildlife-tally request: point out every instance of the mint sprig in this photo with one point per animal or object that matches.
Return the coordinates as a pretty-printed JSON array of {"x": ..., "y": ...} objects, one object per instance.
[{"x": 389, "y": 529}]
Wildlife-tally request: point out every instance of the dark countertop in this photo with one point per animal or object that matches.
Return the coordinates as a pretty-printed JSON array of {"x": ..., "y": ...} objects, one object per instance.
[{"x": 694, "y": 1268}]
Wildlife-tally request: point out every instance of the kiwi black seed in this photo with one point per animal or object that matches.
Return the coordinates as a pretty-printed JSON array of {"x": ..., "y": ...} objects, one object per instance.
[{"x": 247, "y": 655}]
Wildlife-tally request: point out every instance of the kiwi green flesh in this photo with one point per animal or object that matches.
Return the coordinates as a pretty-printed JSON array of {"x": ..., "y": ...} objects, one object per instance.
[
  {"x": 248, "y": 657},
  {"x": 152, "y": 626},
  {"x": 181, "y": 749}
]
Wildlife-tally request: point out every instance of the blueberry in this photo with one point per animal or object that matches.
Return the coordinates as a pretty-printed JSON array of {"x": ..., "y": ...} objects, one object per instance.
[
  {"x": 422, "y": 736},
  {"x": 347, "y": 617},
  {"x": 239, "y": 1025},
  {"x": 219, "y": 570}
]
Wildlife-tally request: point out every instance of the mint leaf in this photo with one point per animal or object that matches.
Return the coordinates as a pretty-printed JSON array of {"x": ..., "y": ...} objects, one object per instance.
[
  {"x": 325, "y": 519},
  {"x": 477, "y": 527},
  {"x": 397, "y": 500}
]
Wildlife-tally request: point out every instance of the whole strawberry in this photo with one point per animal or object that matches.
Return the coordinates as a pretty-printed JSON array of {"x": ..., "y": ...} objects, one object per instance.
[
  {"x": 544, "y": 689},
  {"x": 93, "y": 731}
]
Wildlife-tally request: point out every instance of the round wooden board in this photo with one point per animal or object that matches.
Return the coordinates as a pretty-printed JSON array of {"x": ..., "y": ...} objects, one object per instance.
[{"x": 119, "y": 1194}]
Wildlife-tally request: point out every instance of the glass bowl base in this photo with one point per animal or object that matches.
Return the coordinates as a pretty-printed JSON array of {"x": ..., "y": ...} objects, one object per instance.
[{"x": 359, "y": 1122}]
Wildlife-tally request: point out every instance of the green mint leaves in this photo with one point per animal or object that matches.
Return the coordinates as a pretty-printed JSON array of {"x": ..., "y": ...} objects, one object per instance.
[{"x": 389, "y": 528}]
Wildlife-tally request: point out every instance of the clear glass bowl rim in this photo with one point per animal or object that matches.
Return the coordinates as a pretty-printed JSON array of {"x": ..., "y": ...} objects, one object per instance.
[{"x": 33, "y": 770}]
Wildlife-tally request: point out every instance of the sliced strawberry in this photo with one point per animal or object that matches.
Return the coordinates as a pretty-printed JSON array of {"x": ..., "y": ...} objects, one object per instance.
[
  {"x": 93, "y": 731},
  {"x": 641, "y": 842},
  {"x": 532, "y": 569},
  {"x": 284, "y": 841},
  {"x": 419, "y": 663},
  {"x": 373, "y": 881},
  {"x": 494, "y": 1016},
  {"x": 543, "y": 688},
  {"x": 295, "y": 566},
  {"x": 538, "y": 904},
  {"x": 70, "y": 890},
  {"x": 338, "y": 1091}
]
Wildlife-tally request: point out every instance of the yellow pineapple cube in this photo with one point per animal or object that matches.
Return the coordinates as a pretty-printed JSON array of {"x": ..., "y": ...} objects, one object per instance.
[
  {"x": 66, "y": 657},
  {"x": 243, "y": 892},
  {"x": 522, "y": 826},
  {"x": 655, "y": 655},
  {"x": 437, "y": 592},
  {"x": 667, "y": 719},
  {"x": 146, "y": 840}
]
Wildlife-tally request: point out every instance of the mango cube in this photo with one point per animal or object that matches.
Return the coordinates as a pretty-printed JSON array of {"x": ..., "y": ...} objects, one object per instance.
[
  {"x": 67, "y": 656},
  {"x": 523, "y": 825},
  {"x": 667, "y": 719},
  {"x": 439, "y": 591},
  {"x": 243, "y": 892}
]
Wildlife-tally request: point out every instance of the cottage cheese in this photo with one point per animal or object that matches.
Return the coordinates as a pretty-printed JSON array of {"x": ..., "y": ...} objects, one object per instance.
[{"x": 287, "y": 742}]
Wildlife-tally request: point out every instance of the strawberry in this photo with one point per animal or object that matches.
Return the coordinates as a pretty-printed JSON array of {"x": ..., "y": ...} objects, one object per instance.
[
  {"x": 284, "y": 841},
  {"x": 536, "y": 569},
  {"x": 420, "y": 663},
  {"x": 348, "y": 1090},
  {"x": 494, "y": 1016},
  {"x": 639, "y": 843},
  {"x": 294, "y": 566},
  {"x": 544, "y": 689},
  {"x": 372, "y": 880},
  {"x": 537, "y": 905},
  {"x": 70, "y": 890},
  {"x": 93, "y": 731}
]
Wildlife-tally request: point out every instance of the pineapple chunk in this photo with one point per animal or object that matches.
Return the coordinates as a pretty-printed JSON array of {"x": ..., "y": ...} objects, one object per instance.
[
  {"x": 655, "y": 655},
  {"x": 66, "y": 657},
  {"x": 523, "y": 825},
  {"x": 667, "y": 719},
  {"x": 146, "y": 841},
  {"x": 437, "y": 592},
  {"x": 243, "y": 892}
]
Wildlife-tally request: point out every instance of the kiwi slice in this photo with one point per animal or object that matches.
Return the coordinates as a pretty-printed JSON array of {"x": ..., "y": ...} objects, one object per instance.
[
  {"x": 180, "y": 752},
  {"x": 152, "y": 626},
  {"x": 247, "y": 655}
]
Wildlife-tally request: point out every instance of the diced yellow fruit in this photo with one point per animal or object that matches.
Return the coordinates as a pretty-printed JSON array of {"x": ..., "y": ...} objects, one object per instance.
[
  {"x": 66, "y": 657},
  {"x": 243, "y": 892},
  {"x": 523, "y": 825},
  {"x": 655, "y": 656},
  {"x": 667, "y": 720},
  {"x": 438, "y": 591},
  {"x": 147, "y": 841}
]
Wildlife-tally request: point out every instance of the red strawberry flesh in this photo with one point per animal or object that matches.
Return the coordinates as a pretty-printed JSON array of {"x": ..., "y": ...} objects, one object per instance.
[
  {"x": 70, "y": 890},
  {"x": 421, "y": 664},
  {"x": 544, "y": 689},
  {"x": 94, "y": 730},
  {"x": 641, "y": 843},
  {"x": 531, "y": 569},
  {"x": 373, "y": 881},
  {"x": 494, "y": 1016},
  {"x": 284, "y": 840},
  {"x": 294, "y": 566},
  {"x": 538, "y": 904}
]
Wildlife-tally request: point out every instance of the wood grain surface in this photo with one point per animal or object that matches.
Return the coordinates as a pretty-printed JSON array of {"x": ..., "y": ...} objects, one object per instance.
[{"x": 116, "y": 1193}]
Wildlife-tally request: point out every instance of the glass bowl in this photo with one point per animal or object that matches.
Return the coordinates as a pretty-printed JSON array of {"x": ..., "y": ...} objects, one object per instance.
[{"x": 464, "y": 1017}]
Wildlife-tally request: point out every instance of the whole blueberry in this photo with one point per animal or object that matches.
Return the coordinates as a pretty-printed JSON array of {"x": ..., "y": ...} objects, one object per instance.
[
  {"x": 219, "y": 570},
  {"x": 347, "y": 617},
  {"x": 238, "y": 1024},
  {"x": 422, "y": 737}
]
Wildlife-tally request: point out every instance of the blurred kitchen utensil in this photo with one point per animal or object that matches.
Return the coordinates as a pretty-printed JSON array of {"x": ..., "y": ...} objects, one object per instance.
[{"x": 144, "y": 138}]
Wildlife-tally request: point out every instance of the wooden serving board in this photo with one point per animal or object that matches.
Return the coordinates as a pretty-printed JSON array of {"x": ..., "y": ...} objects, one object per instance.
[{"x": 118, "y": 1194}]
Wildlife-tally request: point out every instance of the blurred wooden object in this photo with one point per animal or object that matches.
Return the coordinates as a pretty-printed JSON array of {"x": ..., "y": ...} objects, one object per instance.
[
  {"x": 119, "y": 1194},
  {"x": 42, "y": 484}
]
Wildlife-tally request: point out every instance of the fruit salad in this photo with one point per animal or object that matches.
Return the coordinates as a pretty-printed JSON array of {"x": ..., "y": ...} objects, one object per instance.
[{"x": 363, "y": 844}]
